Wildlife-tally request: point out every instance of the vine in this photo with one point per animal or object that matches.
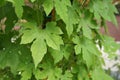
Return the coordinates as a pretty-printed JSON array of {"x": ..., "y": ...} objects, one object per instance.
[{"x": 55, "y": 39}]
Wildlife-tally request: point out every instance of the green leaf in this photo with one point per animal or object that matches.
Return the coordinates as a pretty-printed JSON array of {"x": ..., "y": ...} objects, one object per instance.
[
  {"x": 18, "y": 7},
  {"x": 48, "y": 6},
  {"x": 53, "y": 41},
  {"x": 78, "y": 47},
  {"x": 50, "y": 72},
  {"x": 88, "y": 50},
  {"x": 39, "y": 74},
  {"x": 87, "y": 25},
  {"x": 9, "y": 53},
  {"x": 26, "y": 75},
  {"x": 73, "y": 18},
  {"x": 28, "y": 37},
  {"x": 30, "y": 34},
  {"x": 87, "y": 32},
  {"x": 99, "y": 74},
  {"x": 62, "y": 10},
  {"x": 51, "y": 36},
  {"x": 82, "y": 73},
  {"x": 32, "y": 0},
  {"x": 61, "y": 50},
  {"x": 62, "y": 5},
  {"x": 92, "y": 48},
  {"x": 87, "y": 43},
  {"x": 65, "y": 51},
  {"x": 38, "y": 49},
  {"x": 67, "y": 76},
  {"x": 40, "y": 38},
  {"x": 10, "y": 1},
  {"x": 69, "y": 28},
  {"x": 98, "y": 7},
  {"x": 52, "y": 28},
  {"x": 113, "y": 10},
  {"x": 68, "y": 14},
  {"x": 56, "y": 54},
  {"x": 110, "y": 46},
  {"x": 9, "y": 58},
  {"x": 2, "y": 3},
  {"x": 88, "y": 57}
]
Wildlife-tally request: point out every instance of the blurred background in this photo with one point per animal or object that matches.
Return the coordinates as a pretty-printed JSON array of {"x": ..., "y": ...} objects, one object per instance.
[{"x": 112, "y": 67}]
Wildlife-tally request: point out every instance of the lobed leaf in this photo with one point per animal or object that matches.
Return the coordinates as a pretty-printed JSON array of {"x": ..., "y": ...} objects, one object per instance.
[
  {"x": 41, "y": 38},
  {"x": 39, "y": 49}
]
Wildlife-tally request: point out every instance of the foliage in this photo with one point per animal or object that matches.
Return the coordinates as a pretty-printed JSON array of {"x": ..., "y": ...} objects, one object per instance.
[{"x": 54, "y": 39}]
